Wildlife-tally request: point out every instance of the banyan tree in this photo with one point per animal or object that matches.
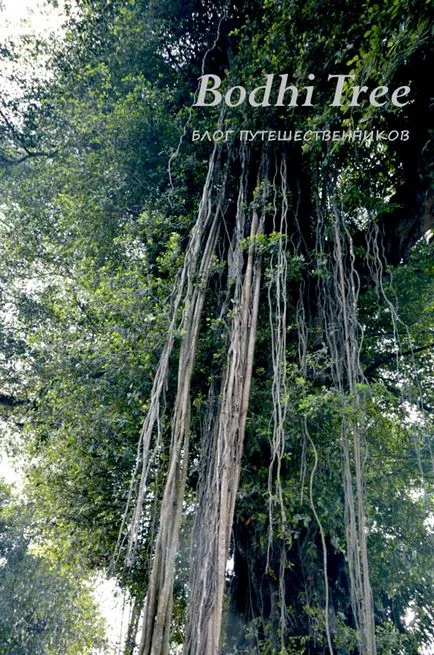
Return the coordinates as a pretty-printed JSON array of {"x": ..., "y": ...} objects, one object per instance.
[
  {"x": 286, "y": 269},
  {"x": 278, "y": 497}
]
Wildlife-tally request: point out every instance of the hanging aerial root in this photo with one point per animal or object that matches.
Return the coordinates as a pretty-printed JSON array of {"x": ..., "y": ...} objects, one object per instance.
[
  {"x": 277, "y": 301},
  {"x": 149, "y": 444},
  {"x": 211, "y": 538},
  {"x": 188, "y": 301},
  {"x": 307, "y": 441},
  {"x": 376, "y": 263},
  {"x": 338, "y": 296},
  {"x": 158, "y": 605}
]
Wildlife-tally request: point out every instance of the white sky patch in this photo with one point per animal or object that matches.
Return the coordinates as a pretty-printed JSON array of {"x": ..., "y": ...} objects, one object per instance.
[
  {"x": 115, "y": 609},
  {"x": 22, "y": 17},
  {"x": 8, "y": 471},
  {"x": 22, "y": 22}
]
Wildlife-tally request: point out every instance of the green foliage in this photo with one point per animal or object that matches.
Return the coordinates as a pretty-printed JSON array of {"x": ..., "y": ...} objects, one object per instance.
[
  {"x": 92, "y": 238},
  {"x": 44, "y": 607}
]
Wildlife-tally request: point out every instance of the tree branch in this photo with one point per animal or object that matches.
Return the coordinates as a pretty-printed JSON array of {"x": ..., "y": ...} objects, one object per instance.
[
  {"x": 19, "y": 141},
  {"x": 29, "y": 155},
  {"x": 10, "y": 401},
  {"x": 384, "y": 359}
]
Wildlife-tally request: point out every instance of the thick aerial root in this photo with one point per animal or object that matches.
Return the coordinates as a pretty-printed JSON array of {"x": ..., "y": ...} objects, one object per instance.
[{"x": 212, "y": 532}]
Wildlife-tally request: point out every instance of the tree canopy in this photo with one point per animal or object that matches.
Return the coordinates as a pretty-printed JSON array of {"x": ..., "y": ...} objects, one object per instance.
[{"x": 219, "y": 354}]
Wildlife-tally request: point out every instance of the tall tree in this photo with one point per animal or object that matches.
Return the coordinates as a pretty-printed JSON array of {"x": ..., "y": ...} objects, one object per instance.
[{"x": 239, "y": 330}]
